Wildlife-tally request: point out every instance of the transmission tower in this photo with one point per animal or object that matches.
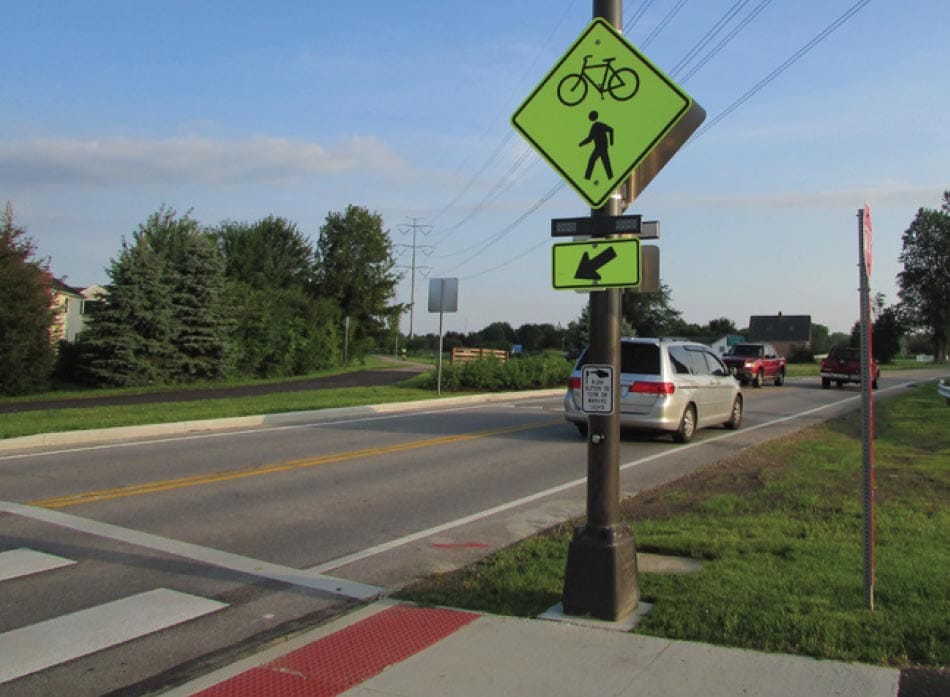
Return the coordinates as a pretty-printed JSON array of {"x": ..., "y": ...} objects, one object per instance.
[{"x": 414, "y": 228}]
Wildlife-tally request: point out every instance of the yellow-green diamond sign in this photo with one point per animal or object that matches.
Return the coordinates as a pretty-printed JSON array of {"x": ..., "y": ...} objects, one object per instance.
[
  {"x": 601, "y": 112},
  {"x": 596, "y": 263}
]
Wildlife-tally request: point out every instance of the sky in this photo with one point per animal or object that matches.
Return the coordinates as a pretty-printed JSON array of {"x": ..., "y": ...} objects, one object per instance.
[{"x": 240, "y": 110}]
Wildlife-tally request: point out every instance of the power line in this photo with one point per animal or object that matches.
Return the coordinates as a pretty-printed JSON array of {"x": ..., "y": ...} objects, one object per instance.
[
  {"x": 663, "y": 23},
  {"x": 709, "y": 35},
  {"x": 726, "y": 39},
  {"x": 821, "y": 36}
]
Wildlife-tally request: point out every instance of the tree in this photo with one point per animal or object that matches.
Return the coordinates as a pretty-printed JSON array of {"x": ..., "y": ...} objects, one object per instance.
[
  {"x": 721, "y": 327},
  {"x": 270, "y": 253},
  {"x": 650, "y": 314},
  {"x": 164, "y": 318},
  {"x": 820, "y": 338},
  {"x": 355, "y": 269},
  {"x": 925, "y": 280},
  {"x": 887, "y": 328},
  {"x": 281, "y": 327},
  {"x": 497, "y": 335},
  {"x": 26, "y": 313}
]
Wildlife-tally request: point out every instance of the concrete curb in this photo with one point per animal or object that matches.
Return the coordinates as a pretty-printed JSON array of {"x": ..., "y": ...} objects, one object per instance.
[{"x": 293, "y": 418}]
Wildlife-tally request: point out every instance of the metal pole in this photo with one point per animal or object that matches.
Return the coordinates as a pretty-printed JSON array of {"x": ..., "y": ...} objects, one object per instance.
[
  {"x": 867, "y": 422},
  {"x": 441, "y": 316},
  {"x": 601, "y": 576},
  {"x": 412, "y": 284}
]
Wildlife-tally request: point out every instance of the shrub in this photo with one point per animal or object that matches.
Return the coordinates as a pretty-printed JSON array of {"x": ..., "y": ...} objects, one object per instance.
[{"x": 492, "y": 375}]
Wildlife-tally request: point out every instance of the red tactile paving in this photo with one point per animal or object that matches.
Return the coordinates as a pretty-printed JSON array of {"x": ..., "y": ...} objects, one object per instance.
[{"x": 337, "y": 662}]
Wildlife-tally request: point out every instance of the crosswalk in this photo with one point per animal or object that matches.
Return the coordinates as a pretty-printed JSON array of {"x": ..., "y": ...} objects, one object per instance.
[{"x": 38, "y": 646}]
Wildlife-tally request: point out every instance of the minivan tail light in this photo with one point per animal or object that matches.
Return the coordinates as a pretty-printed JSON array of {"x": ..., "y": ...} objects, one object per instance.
[
  {"x": 574, "y": 383},
  {"x": 653, "y": 387}
]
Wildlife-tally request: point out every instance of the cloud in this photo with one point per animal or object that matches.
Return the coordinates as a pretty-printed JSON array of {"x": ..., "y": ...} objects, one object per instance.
[
  {"x": 64, "y": 162},
  {"x": 887, "y": 192}
]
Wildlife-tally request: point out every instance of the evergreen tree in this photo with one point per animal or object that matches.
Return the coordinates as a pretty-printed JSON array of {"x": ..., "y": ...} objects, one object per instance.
[
  {"x": 26, "y": 314},
  {"x": 163, "y": 319},
  {"x": 198, "y": 301}
]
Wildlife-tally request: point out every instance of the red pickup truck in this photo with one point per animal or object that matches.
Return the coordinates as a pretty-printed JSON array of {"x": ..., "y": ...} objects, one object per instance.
[
  {"x": 756, "y": 363},
  {"x": 843, "y": 365}
]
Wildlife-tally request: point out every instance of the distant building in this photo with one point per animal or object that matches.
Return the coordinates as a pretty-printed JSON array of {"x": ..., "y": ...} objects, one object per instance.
[
  {"x": 72, "y": 306},
  {"x": 724, "y": 343},
  {"x": 788, "y": 333}
]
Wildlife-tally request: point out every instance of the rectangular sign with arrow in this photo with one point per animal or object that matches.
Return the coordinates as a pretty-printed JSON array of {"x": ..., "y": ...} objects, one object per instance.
[
  {"x": 597, "y": 389},
  {"x": 596, "y": 264}
]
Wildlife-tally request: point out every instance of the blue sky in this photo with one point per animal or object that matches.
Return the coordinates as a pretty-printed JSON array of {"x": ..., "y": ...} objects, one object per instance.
[{"x": 240, "y": 110}]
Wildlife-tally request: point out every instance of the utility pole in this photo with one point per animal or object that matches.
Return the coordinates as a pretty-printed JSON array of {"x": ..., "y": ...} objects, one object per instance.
[
  {"x": 414, "y": 228},
  {"x": 601, "y": 575}
]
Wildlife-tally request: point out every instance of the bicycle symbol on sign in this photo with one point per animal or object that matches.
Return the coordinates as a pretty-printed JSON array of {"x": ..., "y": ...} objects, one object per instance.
[{"x": 621, "y": 84}]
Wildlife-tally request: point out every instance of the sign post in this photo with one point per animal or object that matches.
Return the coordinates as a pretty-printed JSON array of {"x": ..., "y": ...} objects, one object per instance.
[
  {"x": 443, "y": 297},
  {"x": 604, "y": 117},
  {"x": 867, "y": 404}
]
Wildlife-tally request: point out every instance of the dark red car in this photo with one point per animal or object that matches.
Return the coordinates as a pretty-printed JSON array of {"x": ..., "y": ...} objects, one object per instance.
[{"x": 843, "y": 365}]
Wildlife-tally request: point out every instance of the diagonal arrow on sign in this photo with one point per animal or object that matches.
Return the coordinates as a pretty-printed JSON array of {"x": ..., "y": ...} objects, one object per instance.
[
  {"x": 588, "y": 268},
  {"x": 596, "y": 264}
]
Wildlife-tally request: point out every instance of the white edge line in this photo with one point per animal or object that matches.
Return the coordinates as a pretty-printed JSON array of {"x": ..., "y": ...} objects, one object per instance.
[{"x": 475, "y": 517}]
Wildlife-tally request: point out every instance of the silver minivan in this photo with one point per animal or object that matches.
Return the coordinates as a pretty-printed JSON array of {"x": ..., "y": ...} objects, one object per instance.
[{"x": 668, "y": 385}]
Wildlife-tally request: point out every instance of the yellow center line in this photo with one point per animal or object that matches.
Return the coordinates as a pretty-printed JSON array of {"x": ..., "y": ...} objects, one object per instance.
[{"x": 261, "y": 470}]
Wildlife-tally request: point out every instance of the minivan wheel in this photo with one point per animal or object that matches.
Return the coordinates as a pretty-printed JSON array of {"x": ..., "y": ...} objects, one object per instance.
[
  {"x": 735, "y": 420},
  {"x": 687, "y": 428},
  {"x": 582, "y": 429}
]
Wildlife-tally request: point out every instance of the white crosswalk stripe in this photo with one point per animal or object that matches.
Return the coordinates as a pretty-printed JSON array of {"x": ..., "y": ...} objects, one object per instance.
[
  {"x": 23, "y": 562},
  {"x": 45, "y": 644}
]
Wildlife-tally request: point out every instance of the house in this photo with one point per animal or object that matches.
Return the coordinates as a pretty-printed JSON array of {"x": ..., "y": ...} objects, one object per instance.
[
  {"x": 67, "y": 309},
  {"x": 71, "y": 306},
  {"x": 788, "y": 333}
]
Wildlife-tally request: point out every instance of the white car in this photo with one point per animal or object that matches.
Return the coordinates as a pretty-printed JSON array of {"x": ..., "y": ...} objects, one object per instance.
[{"x": 666, "y": 385}]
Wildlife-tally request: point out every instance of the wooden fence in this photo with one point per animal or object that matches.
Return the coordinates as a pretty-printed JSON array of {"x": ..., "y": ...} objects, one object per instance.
[{"x": 461, "y": 354}]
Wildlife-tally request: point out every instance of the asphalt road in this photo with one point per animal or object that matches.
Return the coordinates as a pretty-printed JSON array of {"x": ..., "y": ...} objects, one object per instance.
[{"x": 254, "y": 534}]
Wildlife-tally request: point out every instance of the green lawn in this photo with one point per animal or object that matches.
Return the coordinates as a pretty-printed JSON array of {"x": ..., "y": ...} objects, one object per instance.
[
  {"x": 55, "y": 420},
  {"x": 780, "y": 531}
]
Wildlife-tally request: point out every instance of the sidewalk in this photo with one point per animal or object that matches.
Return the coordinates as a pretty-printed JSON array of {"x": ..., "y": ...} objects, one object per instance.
[{"x": 401, "y": 650}]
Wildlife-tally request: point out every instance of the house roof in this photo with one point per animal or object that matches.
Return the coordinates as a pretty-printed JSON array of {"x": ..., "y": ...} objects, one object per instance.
[
  {"x": 60, "y": 287},
  {"x": 780, "y": 327}
]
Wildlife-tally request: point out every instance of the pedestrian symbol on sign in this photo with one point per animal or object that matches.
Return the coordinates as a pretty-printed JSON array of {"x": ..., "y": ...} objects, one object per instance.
[{"x": 602, "y": 136}]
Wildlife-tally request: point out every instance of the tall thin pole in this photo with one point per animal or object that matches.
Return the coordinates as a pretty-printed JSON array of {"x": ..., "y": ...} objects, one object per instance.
[
  {"x": 867, "y": 418},
  {"x": 414, "y": 228},
  {"x": 601, "y": 575}
]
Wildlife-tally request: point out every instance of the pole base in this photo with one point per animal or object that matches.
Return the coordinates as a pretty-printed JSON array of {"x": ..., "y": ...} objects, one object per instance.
[{"x": 601, "y": 576}]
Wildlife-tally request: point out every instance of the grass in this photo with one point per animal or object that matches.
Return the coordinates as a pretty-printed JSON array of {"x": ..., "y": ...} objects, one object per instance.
[
  {"x": 780, "y": 531},
  {"x": 55, "y": 420}
]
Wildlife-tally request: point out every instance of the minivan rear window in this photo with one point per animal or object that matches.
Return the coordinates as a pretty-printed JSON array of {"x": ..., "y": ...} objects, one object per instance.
[
  {"x": 640, "y": 358},
  {"x": 634, "y": 358}
]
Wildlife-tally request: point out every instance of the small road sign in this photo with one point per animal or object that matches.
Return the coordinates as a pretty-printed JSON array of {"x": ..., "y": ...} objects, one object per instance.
[
  {"x": 602, "y": 225},
  {"x": 596, "y": 264},
  {"x": 601, "y": 112},
  {"x": 597, "y": 389}
]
